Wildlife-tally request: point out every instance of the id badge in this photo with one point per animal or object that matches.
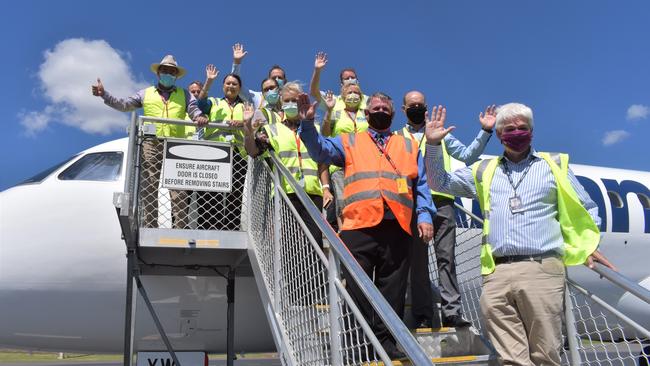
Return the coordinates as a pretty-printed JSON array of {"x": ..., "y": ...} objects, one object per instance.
[
  {"x": 402, "y": 187},
  {"x": 515, "y": 204}
]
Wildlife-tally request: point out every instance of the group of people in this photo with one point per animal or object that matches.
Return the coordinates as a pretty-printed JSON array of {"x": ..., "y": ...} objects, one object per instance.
[{"x": 390, "y": 193}]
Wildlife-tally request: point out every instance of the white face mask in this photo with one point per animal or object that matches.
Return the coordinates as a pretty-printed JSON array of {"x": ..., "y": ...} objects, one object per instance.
[
  {"x": 351, "y": 81},
  {"x": 290, "y": 109}
]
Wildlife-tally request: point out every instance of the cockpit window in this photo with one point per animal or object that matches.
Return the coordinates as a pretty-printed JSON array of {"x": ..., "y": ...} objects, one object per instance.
[
  {"x": 45, "y": 173},
  {"x": 104, "y": 166}
]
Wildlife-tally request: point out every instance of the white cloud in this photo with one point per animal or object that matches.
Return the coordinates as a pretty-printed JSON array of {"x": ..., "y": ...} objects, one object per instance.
[
  {"x": 65, "y": 77},
  {"x": 637, "y": 111},
  {"x": 614, "y": 137}
]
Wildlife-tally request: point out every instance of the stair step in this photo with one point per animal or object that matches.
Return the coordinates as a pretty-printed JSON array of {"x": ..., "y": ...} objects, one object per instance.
[
  {"x": 456, "y": 360},
  {"x": 450, "y": 342}
]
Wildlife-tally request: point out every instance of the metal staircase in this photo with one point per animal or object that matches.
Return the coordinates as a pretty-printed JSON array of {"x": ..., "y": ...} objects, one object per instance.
[{"x": 312, "y": 318}]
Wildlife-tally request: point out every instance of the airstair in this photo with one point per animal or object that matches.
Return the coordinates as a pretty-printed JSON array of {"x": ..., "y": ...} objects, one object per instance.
[{"x": 253, "y": 230}]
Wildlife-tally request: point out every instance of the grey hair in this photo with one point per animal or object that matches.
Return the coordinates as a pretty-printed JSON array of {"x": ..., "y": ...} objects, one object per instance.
[
  {"x": 513, "y": 110},
  {"x": 293, "y": 86},
  {"x": 384, "y": 97}
]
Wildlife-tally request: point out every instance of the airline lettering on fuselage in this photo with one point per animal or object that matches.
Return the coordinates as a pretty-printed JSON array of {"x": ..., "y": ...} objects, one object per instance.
[{"x": 620, "y": 215}]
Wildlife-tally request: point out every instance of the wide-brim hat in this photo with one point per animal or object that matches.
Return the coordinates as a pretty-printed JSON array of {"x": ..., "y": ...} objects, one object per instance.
[{"x": 169, "y": 60}]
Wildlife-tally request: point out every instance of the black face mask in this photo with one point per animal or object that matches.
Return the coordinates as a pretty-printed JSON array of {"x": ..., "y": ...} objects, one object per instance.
[
  {"x": 416, "y": 114},
  {"x": 379, "y": 120}
]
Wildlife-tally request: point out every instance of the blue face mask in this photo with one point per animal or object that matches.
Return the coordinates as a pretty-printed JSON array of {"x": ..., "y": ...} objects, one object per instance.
[
  {"x": 280, "y": 81},
  {"x": 272, "y": 96},
  {"x": 167, "y": 80},
  {"x": 290, "y": 109}
]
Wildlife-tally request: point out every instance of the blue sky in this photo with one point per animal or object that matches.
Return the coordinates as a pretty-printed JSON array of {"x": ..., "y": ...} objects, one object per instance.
[{"x": 583, "y": 66}]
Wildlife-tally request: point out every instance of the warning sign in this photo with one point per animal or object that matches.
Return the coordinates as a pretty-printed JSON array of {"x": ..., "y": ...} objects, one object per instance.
[{"x": 197, "y": 166}]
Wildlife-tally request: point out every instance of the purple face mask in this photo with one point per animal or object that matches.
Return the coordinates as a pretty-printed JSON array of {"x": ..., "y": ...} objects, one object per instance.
[{"x": 517, "y": 140}]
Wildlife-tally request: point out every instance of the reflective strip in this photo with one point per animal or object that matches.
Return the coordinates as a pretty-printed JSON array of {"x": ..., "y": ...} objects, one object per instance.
[
  {"x": 287, "y": 154},
  {"x": 295, "y": 169},
  {"x": 403, "y": 200},
  {"x": 481, "y": 169},
  {"x": 337, "y": 115},
  {"x": 366, "y": 195},
  {"x": 370, "y": 175},
  {"x": 293, "y": 154},
  {"x": 407, "y": 140},
  {"x": 352, "y": 138},
  {"x": 556, "y": 158},
  {"x": 274, "y": 129},
  {"x": 484, "y": 240}
]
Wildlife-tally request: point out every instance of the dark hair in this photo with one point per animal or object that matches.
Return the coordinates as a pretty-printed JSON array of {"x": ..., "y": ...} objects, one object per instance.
[
  {"x": 200, "y": 84},
  {"x": 267, "y": 79},
  {"x": 233, "y": 75},
  {"x": 347, "y": 69},
  {"x": 274, "y": 67}
]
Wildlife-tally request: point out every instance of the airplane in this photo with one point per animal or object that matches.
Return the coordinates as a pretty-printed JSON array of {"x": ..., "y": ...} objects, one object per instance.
[{"x": 63, "y": 265}]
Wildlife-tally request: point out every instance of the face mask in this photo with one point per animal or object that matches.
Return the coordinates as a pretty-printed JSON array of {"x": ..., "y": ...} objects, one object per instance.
[
  {"x": 379, "y": 120},
  {"x": 416, "y": 114},
  {"x": 167, "y": 80},
  {"x": 272, "y": 96},
  {"x": 280, "y": 81},
  {"x": 290, "y": 109},
  {"x": 517, "y": 140},
  {"x": 351, "y": 81},
  {"x": 352, "y": 100}
]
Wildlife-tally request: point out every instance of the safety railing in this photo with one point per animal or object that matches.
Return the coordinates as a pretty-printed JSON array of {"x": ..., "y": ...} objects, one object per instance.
[
  {"x": 315, "y": 319},
  {"x": 158, "y": 207},
  {"x": 596, "y": 333}
]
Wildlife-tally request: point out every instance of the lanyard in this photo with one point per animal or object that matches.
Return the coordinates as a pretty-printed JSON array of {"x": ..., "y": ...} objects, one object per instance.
[
  {"x": 385, "y": 153},
  {"x": 509, "y": 174},
  {"x": 165, "y": 103},
  {"x": 353, "y": 117},
  {"x": 298, "y": 147}
]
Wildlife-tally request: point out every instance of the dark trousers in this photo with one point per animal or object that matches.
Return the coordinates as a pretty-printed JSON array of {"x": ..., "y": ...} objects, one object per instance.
[
  {"x": 302, "y": 212},
  {"x": 421, "y": 293},
  {"x": 444, "y": 225},
  {"x": 382, "y": 250}
]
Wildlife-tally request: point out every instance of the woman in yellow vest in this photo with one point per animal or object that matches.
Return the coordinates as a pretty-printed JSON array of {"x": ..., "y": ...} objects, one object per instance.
[
  {"x": 284, "y": 139},
  {"x": 351, "y": 119},
  {"x": 217, "y": 212},
  {"x": 271, "y": 107}
]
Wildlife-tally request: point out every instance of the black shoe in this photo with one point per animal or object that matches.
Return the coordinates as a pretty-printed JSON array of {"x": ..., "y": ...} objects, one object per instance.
[
  {"x": 424, "y": 323},
  {"x": 455, "y": 321},
  {"x": 392, "y": 351},
  {"x": 396, "y": 354}
]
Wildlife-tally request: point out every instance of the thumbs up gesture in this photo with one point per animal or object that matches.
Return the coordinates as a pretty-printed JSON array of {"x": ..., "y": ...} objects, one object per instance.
[{"x": 98, "y": 89}]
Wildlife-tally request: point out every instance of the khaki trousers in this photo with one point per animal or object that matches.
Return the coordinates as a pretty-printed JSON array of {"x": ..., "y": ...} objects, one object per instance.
[
  {"x": 152, "y": 151},
  {"x": 522, "y": 305}
]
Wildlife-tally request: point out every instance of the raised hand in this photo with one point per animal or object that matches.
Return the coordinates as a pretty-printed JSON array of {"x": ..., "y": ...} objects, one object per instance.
[
  {"x": 238, "y": 53},
  {"x": 488, "y": 118},
  {"x": 211, "y": 72},
  {"x": 306, "y": 111},
  {"x": 98, "y": 89},
  {"x": 330, "y": 101},
  {"x": 435, "y": 129},
  {"x": 321, "y": 60},
  {"x": 249, "y": 111}
]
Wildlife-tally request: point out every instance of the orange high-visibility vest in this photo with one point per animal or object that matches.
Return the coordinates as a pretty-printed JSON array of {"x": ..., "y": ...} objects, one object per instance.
[{"x": 371, "y": 180}]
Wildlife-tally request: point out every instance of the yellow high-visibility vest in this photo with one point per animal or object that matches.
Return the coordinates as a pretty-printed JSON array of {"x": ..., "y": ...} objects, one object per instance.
[{"x": 580, "y": 233}]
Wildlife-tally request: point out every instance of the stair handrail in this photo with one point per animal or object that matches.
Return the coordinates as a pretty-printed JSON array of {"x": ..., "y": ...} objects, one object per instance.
[{"x": 394, "y": 324}]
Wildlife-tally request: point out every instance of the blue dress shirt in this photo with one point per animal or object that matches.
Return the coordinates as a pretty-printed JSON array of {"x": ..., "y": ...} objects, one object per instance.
[{"x": 329, "y": 150}]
